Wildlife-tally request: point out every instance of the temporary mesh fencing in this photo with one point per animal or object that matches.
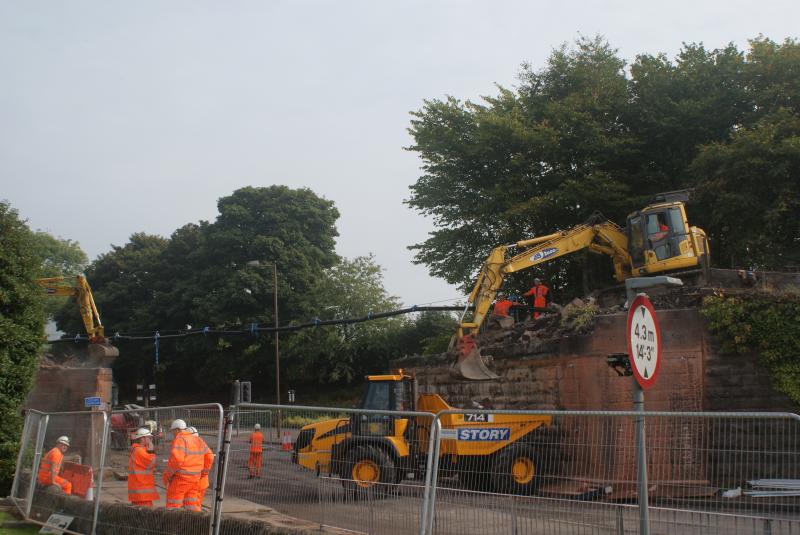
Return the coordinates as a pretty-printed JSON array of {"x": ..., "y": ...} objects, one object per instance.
[
  {"x": 576, "y": 472},
  {"x": 324, "y": 488},
  {"x": 32, "y": 492},
  {"x": 207, "y": 419},
  {"x": 477, "y": 471},
  {"x": 96, "y": 463}
]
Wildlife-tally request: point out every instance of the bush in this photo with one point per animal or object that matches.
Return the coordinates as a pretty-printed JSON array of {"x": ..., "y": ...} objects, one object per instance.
[
  {"x": 21, "y": 329},
  {"x": 767, "y": 325}
]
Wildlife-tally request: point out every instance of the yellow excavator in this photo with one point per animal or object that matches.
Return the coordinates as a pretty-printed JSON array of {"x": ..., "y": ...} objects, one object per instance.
[
  {"x": 78, "y": 287},
  {"x": 656, "y": 239}
]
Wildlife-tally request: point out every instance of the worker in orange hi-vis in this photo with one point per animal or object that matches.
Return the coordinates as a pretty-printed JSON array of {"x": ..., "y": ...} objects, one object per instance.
[
  {"x": 184, "y": 467},
  {"x": 141, "y": 470},
  {"x": 256, "y": 450},
  {"x": 199, "y": 492},
  {"x": 50, "y": 466},
  {"x": 541, "y": 296}
]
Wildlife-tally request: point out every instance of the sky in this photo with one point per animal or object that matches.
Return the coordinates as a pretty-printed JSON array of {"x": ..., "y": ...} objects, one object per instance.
[{"x": 119, "y": 117}]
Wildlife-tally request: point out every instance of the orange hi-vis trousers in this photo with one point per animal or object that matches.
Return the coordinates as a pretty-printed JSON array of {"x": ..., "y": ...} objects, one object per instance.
[
  {"x": 254, "y": 463},
  {"x": 181, "y": 493}
]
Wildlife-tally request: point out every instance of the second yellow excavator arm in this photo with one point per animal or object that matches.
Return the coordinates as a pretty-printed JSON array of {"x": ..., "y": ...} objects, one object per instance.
[
  {"x": 80, "y": 290},
  {"x": 603, "y": 237}
]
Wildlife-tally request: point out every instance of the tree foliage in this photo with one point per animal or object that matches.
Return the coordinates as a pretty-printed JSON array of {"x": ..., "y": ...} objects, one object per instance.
[
  {"x": 589, "y": 133},
  {"x": 221, "y": 274},
  {"x": 21, "y": 329},
  {"x": 58, "y": 257}
]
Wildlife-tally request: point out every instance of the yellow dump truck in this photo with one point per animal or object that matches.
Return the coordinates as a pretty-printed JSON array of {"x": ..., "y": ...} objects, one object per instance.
[{"x": 495, "y": 452}]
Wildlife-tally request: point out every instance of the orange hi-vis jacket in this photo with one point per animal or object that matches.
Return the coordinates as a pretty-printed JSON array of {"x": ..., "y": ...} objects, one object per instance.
[
  {"x": 141, "y": 475},
  {"x": 501, "y": 308},
  {"x": 187, "y": 458},
  {"x": 256, "y": 442},
  {"x": 50, "y": 467},
  {"x": 208, "y": 462}
]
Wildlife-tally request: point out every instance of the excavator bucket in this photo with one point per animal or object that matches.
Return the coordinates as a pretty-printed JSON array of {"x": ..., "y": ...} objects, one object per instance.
[
  {"x": 469, "y": 363},
  {"x": 103, "y": 353}
]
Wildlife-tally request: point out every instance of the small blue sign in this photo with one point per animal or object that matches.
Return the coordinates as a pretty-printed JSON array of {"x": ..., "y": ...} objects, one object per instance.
[{"x": 92, "y": 402}]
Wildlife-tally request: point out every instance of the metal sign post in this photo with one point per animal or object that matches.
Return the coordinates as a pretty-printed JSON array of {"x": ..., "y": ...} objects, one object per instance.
[{"x": 644, "y": 352}]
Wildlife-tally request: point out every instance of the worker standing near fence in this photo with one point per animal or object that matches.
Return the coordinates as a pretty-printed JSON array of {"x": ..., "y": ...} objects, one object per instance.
[
  {"x": 256, "y": 451},
  {"x": 50, "y": 466},
  {"x": 141, "y": 470},
  {"x": 184, "y": 467},
  {"x": 199, "y": 493}
]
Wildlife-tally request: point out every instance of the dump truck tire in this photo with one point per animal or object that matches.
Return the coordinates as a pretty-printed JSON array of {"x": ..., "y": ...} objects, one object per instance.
[
  {"x": 516, "y": 470},
  {"x": 368, "y": 469}
]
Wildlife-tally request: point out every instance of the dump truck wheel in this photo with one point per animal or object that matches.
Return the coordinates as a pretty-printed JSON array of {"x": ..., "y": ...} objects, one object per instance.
[
  {"x": 517, "y": 470},
  {"x": 368, "y": 469}
]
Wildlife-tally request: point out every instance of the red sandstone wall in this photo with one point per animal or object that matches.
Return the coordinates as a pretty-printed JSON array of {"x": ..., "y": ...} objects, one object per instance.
[{"x": 572, "y": 374}]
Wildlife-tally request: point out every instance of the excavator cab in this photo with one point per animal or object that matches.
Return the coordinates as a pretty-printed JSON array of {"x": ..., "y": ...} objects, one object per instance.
[{"x": 660, "y": 238}]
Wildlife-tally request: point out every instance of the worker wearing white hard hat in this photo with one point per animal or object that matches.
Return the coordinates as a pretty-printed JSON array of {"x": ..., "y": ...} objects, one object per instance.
[
  {"x": 177, "y": 425},
  {"x": 187, "y": 460},
  {"x": 50, "y": 466},
  {"x": 256, "y": 452},
  {"x": 141, "y": 469}
]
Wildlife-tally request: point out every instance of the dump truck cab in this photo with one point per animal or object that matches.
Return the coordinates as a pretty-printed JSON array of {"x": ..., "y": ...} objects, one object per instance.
[{"x": 377, "y": 451}]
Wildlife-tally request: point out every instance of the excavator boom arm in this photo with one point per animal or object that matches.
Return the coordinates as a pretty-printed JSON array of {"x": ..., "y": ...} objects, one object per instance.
[
  {"x": 603, "y": 237},
  {"x": 80, "y": 290}
]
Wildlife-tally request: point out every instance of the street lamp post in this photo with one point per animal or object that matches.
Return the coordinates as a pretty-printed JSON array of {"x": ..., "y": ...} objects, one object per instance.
[
  {"x": 277, "y": 346},
  {"x": 277, "y": 340}
]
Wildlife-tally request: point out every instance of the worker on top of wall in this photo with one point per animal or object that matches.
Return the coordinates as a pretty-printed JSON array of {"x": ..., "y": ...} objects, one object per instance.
[
  {"x": 256, "y": 450},
  {"x": 184, "y": 467},
  {"x": 141, "y": 469},
  {"x": 541, "y": 296},
  {"x": 50, "y": 466},
  {"x": 199, "y": 492},
  {"x": 500, "y": 311}
]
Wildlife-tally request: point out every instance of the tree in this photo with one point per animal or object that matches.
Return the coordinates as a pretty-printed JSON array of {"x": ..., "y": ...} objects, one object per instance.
[
  {"x": 58, "y": 257},
  {"x": 350, "y": 289},
  {"x": 751, "y": 194},
  {"x": 217, "y": 274},
  {"x": 579, "y": 135},
  {"x": 21, "y": 329},
  {"x": 523, "y": 163}
]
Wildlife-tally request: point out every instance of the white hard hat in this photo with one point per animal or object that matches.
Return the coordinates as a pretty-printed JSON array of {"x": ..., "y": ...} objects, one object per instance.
[
  {"x": 63, "y": 440},
  {"x": 257, "y": 426},
  {"x": 177, "y": 424},
  {"x": 142, "y": 432},
  {"x": 192, "y": 430}
]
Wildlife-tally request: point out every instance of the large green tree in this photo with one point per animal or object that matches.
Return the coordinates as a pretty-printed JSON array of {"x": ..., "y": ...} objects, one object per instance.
[
  {"x": 21, "y": 329},
  {"x": 587, "y": 133},
  {"x": 217, "y": 274}
]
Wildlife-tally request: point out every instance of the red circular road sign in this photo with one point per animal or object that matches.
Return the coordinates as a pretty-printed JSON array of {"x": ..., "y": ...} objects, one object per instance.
[{"x": 644, "y": 341}]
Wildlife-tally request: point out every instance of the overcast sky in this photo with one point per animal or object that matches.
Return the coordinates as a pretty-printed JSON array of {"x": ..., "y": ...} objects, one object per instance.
[{"x": 121, "y": 116}]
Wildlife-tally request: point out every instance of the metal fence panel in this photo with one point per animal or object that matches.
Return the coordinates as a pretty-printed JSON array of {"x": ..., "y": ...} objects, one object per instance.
[
  {"x": 576, "y": 472},
  {"x": 28, "y": 461},
  {"x": 207, "y": 419},
  {"x": 34, "y": 495},
  {"x": 329, "y": 467}
]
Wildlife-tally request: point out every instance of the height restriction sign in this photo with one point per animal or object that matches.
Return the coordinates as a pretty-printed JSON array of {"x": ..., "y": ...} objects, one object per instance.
[{"x": 644, "y": 341}]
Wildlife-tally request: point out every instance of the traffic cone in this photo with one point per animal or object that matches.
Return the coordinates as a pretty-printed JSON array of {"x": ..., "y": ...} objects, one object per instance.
[{"x": 286, "y": 441}]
